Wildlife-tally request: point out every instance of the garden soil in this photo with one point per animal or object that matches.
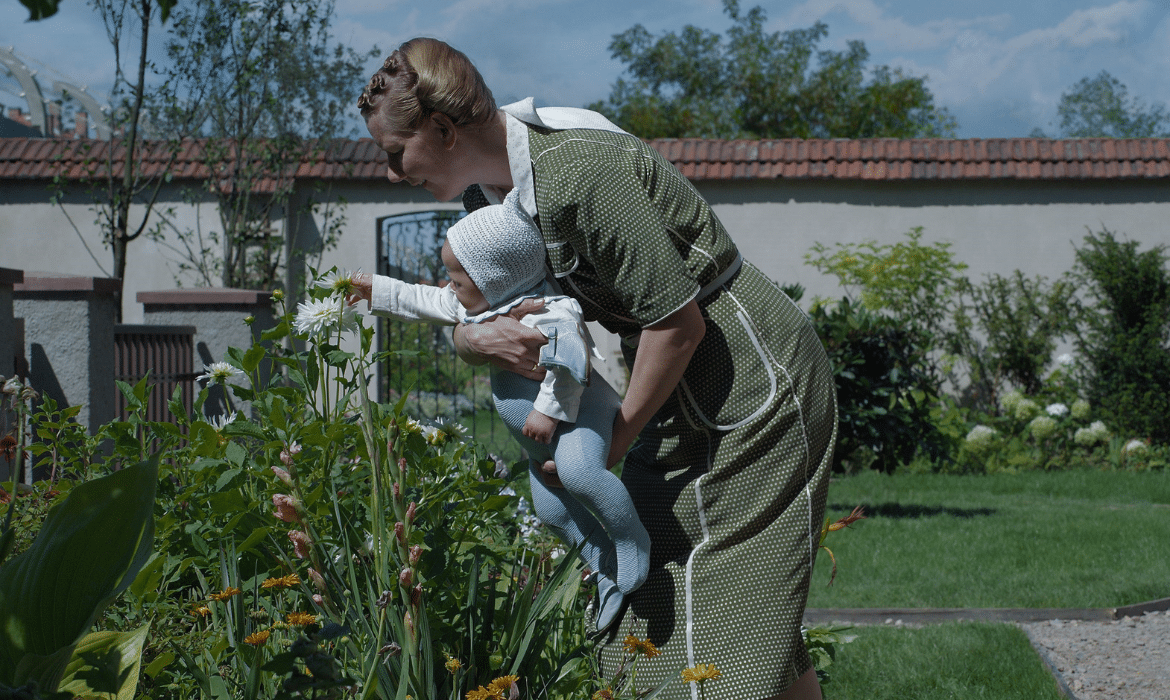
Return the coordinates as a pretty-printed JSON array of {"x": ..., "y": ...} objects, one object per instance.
[{"x": 1126, "y": 659}]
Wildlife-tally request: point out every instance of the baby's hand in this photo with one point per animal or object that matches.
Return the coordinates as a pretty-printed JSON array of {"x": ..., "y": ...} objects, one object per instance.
[{"x": 540, "y": 427}]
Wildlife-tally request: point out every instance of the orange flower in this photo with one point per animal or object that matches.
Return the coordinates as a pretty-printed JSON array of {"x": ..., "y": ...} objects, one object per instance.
[
  {"x": 257, "y": 639},
  {"x": 282, "y": 582},
  {"x": 700, "y": 673},
  {"x": 201, "y": 611},
  {"x": 502, "y": 684},
  {"x": 225, "y": 593},
  {"x": 301, "y": 619},
  {"x": 634, "y": 645}
]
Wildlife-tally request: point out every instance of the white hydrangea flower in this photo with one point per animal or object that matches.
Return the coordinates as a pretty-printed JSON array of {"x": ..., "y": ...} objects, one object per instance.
[
  {"x": 318, "y": 316},
  {"x": 221, "y": 421},
  {"x": 1056, "y": 410},
  {"x": 1010, "y": 399},
  {"x": 1080, "y": 409},
  {"x": 219, "y": 373},
  {"x": 981, "y": 436},
  {"x": 1095, "y": 433},
  {"x": 1025, "y": 409},
  {"x": 1135, "y": 445},
  {"x": 1042, "y": 427}
]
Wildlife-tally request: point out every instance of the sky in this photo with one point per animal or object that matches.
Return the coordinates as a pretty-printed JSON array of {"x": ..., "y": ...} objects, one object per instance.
[{"x": 998, "y": 66}]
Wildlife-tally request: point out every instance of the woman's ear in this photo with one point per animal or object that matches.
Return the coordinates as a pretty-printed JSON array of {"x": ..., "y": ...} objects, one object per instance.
[{"x": 445, "y": 128}]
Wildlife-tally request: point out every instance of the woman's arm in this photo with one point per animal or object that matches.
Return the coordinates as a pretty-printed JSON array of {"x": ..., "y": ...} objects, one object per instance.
[
  {"x": 664, "y": 350},
  {"x": 504, "y": 341}
]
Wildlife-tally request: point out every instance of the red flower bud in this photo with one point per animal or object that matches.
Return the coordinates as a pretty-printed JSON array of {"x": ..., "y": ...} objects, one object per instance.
[{"x": 415, "y": 554}]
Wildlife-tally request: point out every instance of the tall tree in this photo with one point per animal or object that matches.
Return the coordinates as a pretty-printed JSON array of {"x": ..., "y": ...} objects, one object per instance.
[
  {"x": 1101, "y": 107},
  {"x": 753, "y": 84},
  {"x": 117, "y": 179},
  {"x": 265, "y": 85}
]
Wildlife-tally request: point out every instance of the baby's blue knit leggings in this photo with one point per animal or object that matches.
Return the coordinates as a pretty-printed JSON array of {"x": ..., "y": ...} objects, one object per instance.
[{"x": 594, "y": 509}]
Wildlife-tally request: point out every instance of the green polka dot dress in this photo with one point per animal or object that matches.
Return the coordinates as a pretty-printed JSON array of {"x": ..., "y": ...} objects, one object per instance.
[{"x": 730, "y": 475}]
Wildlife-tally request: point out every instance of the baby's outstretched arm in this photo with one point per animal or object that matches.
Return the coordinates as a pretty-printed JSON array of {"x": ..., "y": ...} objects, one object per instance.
[{"x": 540, "y": 427}]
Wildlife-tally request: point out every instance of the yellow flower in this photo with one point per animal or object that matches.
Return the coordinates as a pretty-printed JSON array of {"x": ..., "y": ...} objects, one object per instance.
[
  {"x": 700, "y": 673},
  {"x": 300, "y": 619},
  {"x": 634, "y": 645},
  {"x": 225, "y": 593},
  {"x": 480, "y": 693},
  {"x": 257, "y": 638},
  {"x": 502, "y": 684},
  {"x": 453, "y": 664},
  {"x": 282, "y": 582},
  {"x": 201, "y": 610}
]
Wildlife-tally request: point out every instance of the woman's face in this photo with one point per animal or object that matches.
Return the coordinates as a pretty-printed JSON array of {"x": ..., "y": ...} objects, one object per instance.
[{"x": 421, "y": 158}]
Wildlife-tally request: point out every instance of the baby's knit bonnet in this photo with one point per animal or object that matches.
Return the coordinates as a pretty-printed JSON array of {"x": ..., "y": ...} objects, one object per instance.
[{"x": 500, "y": 248}]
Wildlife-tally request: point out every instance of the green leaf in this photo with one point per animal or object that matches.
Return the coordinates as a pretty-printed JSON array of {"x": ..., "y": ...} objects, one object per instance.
[
  {"x": 106, "y": 663},
  {"x": 252, "y": 358},
  {"x": 162, "y": 661},
  {"x": 89, "y": 550}
]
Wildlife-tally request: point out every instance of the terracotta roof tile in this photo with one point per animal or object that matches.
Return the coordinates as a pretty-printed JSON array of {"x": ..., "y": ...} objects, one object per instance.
[{"x": 699, "y": 159}]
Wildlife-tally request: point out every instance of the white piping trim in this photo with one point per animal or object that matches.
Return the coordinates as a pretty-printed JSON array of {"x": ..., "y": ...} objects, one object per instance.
[
  {"x": 767, "y": 359},
  {"x": 813, "y": 532},
  {"x": 687, "y": 585}
]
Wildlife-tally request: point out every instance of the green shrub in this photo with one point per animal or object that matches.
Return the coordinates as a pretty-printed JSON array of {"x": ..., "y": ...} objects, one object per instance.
[
  {"x": 886, "y": 398},
  {"x": 1123, "y": 332}
]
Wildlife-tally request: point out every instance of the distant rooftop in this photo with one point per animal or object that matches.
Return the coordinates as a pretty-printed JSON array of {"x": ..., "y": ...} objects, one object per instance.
[{"x": 698, "y": 159}]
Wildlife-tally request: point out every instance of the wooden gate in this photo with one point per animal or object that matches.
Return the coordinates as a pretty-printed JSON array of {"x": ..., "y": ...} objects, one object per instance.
[{"x": 166, "y": 353}]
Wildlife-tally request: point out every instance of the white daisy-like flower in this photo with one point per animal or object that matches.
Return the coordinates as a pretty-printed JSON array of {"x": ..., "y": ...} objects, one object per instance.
[
  {"x": 218, "y": 423},
  {"x": 413, "y": 426},
  {"x": 1056, "y": 410},
  {"x": 317, "y": 316},
  {"x": 340, "y": 283},
  {"x": 434, "y": 435},
  {"x": 454, "y": 431},
  {"x": 219, "y": 373}
]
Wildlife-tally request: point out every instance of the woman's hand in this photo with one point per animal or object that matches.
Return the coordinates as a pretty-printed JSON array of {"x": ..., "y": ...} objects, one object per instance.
[
  {"x": 504, "y": 342},
  {"x": 664, "y": 351}
]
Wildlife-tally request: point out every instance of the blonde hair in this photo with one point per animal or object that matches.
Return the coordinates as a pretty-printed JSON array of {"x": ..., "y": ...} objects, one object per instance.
[{"x": 424, "y": 76}]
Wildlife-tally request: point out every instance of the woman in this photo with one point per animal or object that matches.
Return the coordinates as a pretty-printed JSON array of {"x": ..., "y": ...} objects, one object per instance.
[{"x": 730, "y": 400}]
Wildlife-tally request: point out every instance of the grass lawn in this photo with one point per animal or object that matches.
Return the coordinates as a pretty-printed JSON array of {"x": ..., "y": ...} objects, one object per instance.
[
  {"x": 1030, "y": 540},
  {"x": 954, "y": 661}
]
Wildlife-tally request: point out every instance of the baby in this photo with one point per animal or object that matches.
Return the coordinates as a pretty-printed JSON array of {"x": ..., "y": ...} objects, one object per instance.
[{"x": 495, "y": 260}]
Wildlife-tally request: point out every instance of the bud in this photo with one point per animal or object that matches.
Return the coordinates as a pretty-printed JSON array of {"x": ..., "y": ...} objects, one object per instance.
[
  {"x": 249, "y": 320},
  {"x": 402, "y": 464},
  {"x": 288, "y": 453},
  {"x": 408, "y": 620},
  {"x": 416, "y": 595},
  {"x": 496, "y": 660},
  {"x": 400, "y": 533},
  {"x": 411, "y": 511},
  {"x": 397, "y": 491},
  {"x": 283, "y": 475},
  {"x": 287, "y": 507},
  {"x": 277, "y": 294},
  {"x": 405, "y": 578},
  {"x": 317, "y": 579},
  {"x": 384, "y": 600},
  {"x": 301, "y": 543},
  {"x": 415, "y": 554},
  {"x": 318, "y": 599}
]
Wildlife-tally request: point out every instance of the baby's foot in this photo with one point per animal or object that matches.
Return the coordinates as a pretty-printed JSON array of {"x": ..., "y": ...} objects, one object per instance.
[
  {"x": 633, "y": 561},
  {"x": 608, "y": 603}
]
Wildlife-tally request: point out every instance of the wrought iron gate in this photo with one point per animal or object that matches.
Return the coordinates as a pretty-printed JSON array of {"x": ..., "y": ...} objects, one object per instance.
[{"x": 437, "y": 385}]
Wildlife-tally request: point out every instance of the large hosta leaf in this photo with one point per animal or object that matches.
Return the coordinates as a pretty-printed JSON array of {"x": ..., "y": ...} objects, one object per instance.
[
  {"x": 105, "y": 664},
  {"x": 89, "y": 550}
]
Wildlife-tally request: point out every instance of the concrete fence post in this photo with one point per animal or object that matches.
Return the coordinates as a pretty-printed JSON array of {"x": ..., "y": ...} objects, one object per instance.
[
  {"x": 66, "y": 324},
  {"x": 218, "y": 315}
]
